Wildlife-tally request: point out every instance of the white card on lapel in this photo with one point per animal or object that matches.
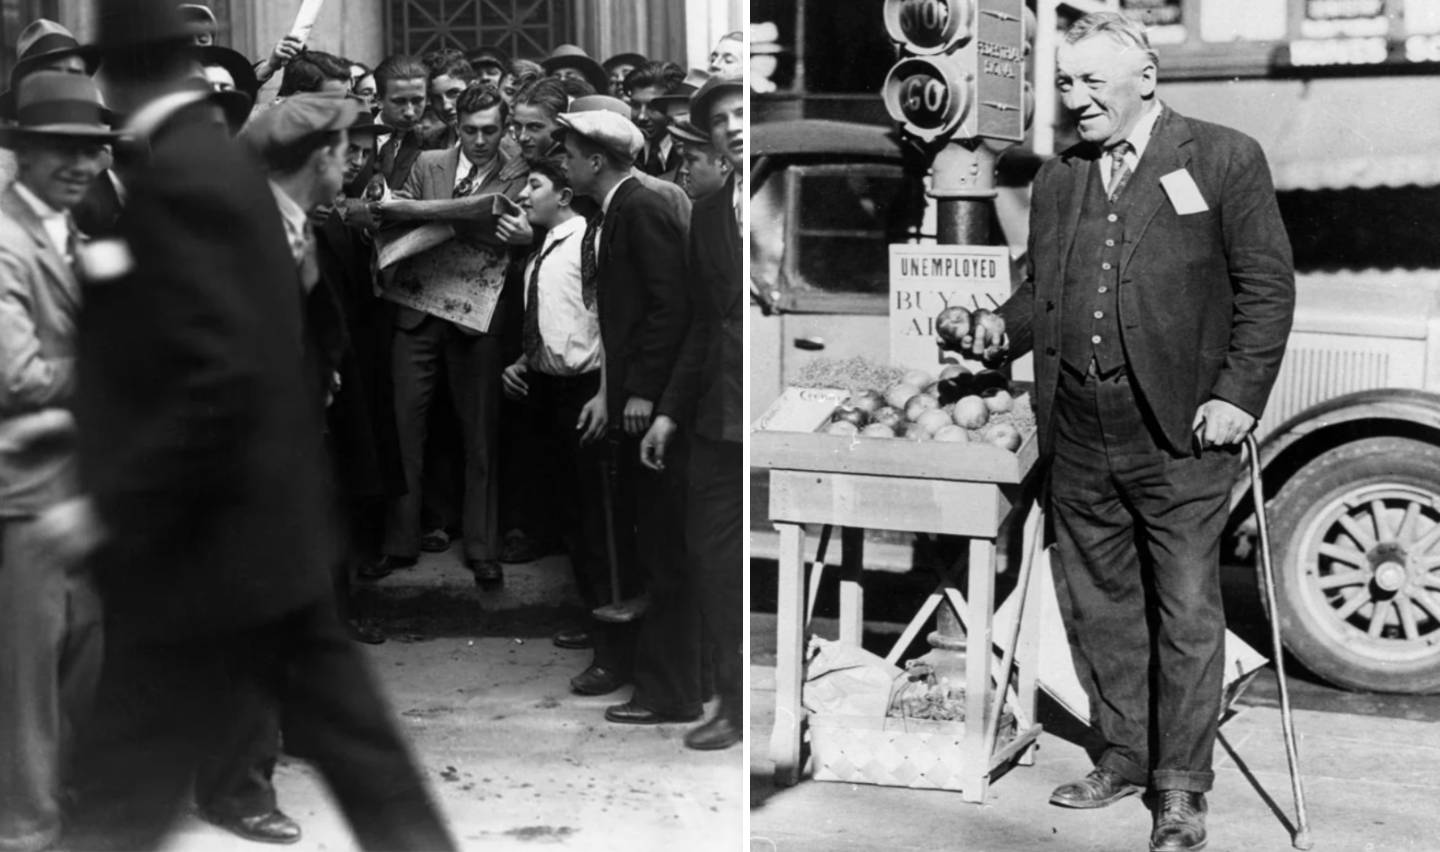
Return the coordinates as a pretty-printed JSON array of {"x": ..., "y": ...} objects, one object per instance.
[{"x": 1184, "y": 194}]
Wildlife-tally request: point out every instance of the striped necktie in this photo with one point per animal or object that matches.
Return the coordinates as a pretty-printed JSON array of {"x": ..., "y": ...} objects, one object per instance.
[{"x": 1120, "y": 170}]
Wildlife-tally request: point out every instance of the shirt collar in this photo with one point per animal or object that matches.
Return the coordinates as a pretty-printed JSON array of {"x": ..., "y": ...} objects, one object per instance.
[
  {"x": 565, "y": 229},
  {"x": 1140, "y": 134},
  {"x": 44, "y": 212},
  {"x": 605, "y": 205},
  {"x": 290, "y": 211}
]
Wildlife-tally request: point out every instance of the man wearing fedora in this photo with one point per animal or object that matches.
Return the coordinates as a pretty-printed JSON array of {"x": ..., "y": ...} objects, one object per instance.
[
  {"x": 617, "y": 68},
  {"x": 571, "y": 62},
  {"x": 42, "y": 46},
  {"x": 50, "y": 625},
  {"x": 703, "y": 171},
  {"x": 202, "y": 456},
  {"x": 635, "y": 245},
  {"x": 704, "y": 397}
]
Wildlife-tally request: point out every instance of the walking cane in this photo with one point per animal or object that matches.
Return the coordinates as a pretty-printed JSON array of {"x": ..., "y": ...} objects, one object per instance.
[
  {"x": 1301, "y": 839},
  {"x": 618, "y": 611}
]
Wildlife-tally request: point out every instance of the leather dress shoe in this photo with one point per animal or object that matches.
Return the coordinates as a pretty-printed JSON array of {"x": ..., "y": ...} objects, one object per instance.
[
  {"x": 385, "y": 566},
  {"x": 596, "y": 680},
  {"x": 487, "y": 572},
  {"x": 273, "y": 827},
  {"x": 435, "y": 541},
  {"x": 1100, "y": 788},
  {"x": 631, "y": 713},
  {"x": 574, "y": 638},
  {"x": 720, "y": 732},
  {"x": 1179, "y": 822}
]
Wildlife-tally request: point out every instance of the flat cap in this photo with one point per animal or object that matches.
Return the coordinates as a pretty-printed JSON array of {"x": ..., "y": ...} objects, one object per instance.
[
  {"x": 297, "y": 117},
  {"x": 610, "y": 131},
  {"x": 590, "y": 103}
]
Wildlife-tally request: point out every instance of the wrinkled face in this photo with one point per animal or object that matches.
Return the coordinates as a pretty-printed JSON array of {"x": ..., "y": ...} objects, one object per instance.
[
  {"x": 365, "y": 91},
  {"x": 727, "y": 126},
  {"x": 541, "y": 201},
  {"x": 1105, "y": 86},
  {"x": 333, "y": 164},
  {"x": 583, "y": 171},
  {"x": 652, "y": 123},
  {"x": 219, "y": 79},
  {"x": 727, "y": 57},
  {"x": 444, "y": 92},
  {"x": 570, "y": 74},
  {"x": 533, "y": 126},
  {"x": 617, "y": 80},
  {"x": 702, "y": 171},
  {"x": 358, "y": 153},
  {"x": 480, "y": 134},
  {"x": 402, "y": 103},
  {"x": 490, "y": 75},
  {"x": 60, "y": 171}
]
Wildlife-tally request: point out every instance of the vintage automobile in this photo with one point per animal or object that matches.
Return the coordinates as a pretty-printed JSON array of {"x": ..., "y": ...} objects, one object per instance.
[{"x": 1350, "y": 442}]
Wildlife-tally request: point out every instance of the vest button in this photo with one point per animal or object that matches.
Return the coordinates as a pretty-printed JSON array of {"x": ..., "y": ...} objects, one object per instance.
[
  {"x": 1110, "y": 243},
  {"x": 1095, "y": 338},
  {"x": 1050, "y": 350},
  {"x": 1104, "y": 289},
  {"x": 1099, "y": 315},
  {"x": 1112, "y": 218},
  {"x": 1105, "y": 265}
]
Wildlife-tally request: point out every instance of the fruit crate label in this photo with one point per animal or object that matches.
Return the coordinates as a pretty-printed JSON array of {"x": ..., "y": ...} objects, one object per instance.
[
  {"x": 801, "y": 410},
  {"x": 927, "y": 279}
]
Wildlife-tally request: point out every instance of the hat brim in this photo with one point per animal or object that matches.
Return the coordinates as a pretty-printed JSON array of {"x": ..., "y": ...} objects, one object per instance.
[
  {"x": 700, "y": 104},
  {"x": 622, "y": 59},
  {"x": 235, "y": 63},
  {"x": 87, "y": 53},
  {"x": 236, "y": 105},
  {"x": 686, "y": 132},
  {"x": 588, "y": 68},
  {"x": 11, "y": 134},
  {"x": 559, "y": 133}
]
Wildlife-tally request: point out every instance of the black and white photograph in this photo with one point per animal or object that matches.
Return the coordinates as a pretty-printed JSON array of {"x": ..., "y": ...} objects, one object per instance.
[
  {"x": 372, "y": 425},
  {"x": 1095, "y": 424}
]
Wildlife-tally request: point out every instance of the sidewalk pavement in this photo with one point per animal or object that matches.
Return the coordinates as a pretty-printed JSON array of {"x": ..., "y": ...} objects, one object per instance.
[
  {"x": 1370, "y": 783},
  {"x": 514, "y": 760}
]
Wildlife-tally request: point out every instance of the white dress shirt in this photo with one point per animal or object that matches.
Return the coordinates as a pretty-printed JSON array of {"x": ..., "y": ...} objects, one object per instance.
[
  {"x": 1139, "y": 139},
  {"x": 56, "y": 222},
  {"x": 462, "y": 171},
  {"x": 569, "y": 331}
]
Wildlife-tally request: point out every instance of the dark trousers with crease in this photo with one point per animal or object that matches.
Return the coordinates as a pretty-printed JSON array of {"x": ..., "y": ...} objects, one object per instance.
[
  {"x": 1137, "y": 535},
  {"x": 159, "y": 704},
  {"x": 715, "y": 535}
]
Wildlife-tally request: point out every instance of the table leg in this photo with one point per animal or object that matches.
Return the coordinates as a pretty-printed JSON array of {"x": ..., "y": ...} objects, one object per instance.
[
  {"x": 975, "y": 779},
  {"x": 790, "y": 629},
  {"x": 852, "y": 593},
  {"x": 1027, "y": 654}
]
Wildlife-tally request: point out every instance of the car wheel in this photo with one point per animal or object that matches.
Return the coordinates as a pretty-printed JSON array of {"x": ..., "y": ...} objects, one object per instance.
[{"x": 1356, "y": 534}]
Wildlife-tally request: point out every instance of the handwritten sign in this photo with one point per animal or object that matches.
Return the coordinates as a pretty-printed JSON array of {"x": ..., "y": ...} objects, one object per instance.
[{"x": 925, "y": 280}]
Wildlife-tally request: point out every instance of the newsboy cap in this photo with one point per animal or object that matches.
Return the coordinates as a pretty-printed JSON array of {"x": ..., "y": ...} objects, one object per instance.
[
  {"x": 297, "y": 117},
  {"x": 610, "y": 131}
]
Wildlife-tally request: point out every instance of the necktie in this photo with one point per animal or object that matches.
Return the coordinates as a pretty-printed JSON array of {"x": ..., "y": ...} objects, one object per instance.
[
  {"x": 530, "y": 334},
  {"x": 589, "y": 263},
  {"x": 388, "y": 154},
  {"x": 1119, "y": 168},
  {"x": 467, "y": 186},
  {"x": 305, "y": 259}
]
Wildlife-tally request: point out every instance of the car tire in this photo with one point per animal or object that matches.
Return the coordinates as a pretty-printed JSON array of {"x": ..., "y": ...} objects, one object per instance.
[{"x": 1359, "y": 601}]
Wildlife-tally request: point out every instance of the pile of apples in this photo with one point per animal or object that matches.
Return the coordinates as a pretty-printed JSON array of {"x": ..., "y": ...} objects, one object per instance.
[{"x": 958, "y": 407}]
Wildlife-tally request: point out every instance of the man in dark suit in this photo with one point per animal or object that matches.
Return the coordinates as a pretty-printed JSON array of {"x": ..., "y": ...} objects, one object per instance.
[
  {"x": 427, "y": 347},
  {"x": 50, "y": 643},
  {"x": 1160, "y": 297},
  {"x": 201, "y": 455},
  {"x": 636, "y": 247},
  {"x": 402, "y": 84},
  {"x": 704, "y": 394}
]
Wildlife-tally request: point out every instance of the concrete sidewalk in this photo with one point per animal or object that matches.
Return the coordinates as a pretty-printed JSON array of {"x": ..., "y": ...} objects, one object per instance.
[
  {"x": 1370, "y": 782},
  {"x": 515, "y": 761}
]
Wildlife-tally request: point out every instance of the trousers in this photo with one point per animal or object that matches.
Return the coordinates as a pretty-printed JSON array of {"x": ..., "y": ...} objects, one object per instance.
[
  {"x": 1137, "y": 536},
  {"x": 50, "y": 656}
]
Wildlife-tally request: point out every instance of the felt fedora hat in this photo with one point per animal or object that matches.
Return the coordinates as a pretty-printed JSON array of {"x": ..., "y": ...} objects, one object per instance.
[
  {"x": 129, "y": 27},
  {"x": 572, "y": 56},
  {"x": 45, "y": 41},
  {"x": 53, "y": 104},
  {"x": 634, "y": 60},
  {"x": 701, "y": 101},
  {"x": 234, "y": 63},
  {"x": 677, "y": 103}
]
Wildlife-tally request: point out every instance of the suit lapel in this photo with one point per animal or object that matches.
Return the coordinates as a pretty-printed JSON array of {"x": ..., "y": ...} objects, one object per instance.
[
  {"x": 1079, "y": 172},
  {"x": 1168, "y": 151},
  {"x": 729, "y": 248},
  {"x": 61, "y": 275},
  {"x": 445, "y": 173}
]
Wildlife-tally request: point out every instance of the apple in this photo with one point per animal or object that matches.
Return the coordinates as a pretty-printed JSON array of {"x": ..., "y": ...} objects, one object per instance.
[
  {"x": 877, "y": 430},
  {"x": 919, "y": 404},
  {"x": 918, "y": 378},
  {"x": 971, "y": 413},
  {"x": 951, "y": 325},
  {"x": 850, "y": 413},
  {"x": 998, "y": 401},
  {"x": 989, "y": 324},
  {"x": 953, "y": 370},
  {"x": 887, "y": 416},
  {"x": 952, "y": 434},
  {"x": 841, "y": 427},
  {"x": 899, "y": 393},
  {"x": 932, "y": 421},
  {"x": 867, "y": 401},
  {"x": 1003, "y": 435},
  {"x": 915, "y": 433}
]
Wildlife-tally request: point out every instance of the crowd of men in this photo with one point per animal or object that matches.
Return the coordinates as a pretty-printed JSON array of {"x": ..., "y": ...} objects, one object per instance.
[{"x": 254, "y": 347}]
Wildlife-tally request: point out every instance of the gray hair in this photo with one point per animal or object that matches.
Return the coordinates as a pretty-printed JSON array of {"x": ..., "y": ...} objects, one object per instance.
[{"x": 1119, "y": 28}]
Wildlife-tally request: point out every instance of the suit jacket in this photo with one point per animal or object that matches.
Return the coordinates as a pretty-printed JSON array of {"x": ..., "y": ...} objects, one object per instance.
[
  {"x": 705, "y": 389},
  {"x": 39, "y": 306},
  {"x": 200, "y": 439},
  {"x": 641, "y": 293},
  {"x": 670, "y": 192},
  {"x": 433, "y": 178},
  {"x": 397, "y": 172},
  {"x": 99, "y": 210},
  {"x": 1206, "y": 299}
]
